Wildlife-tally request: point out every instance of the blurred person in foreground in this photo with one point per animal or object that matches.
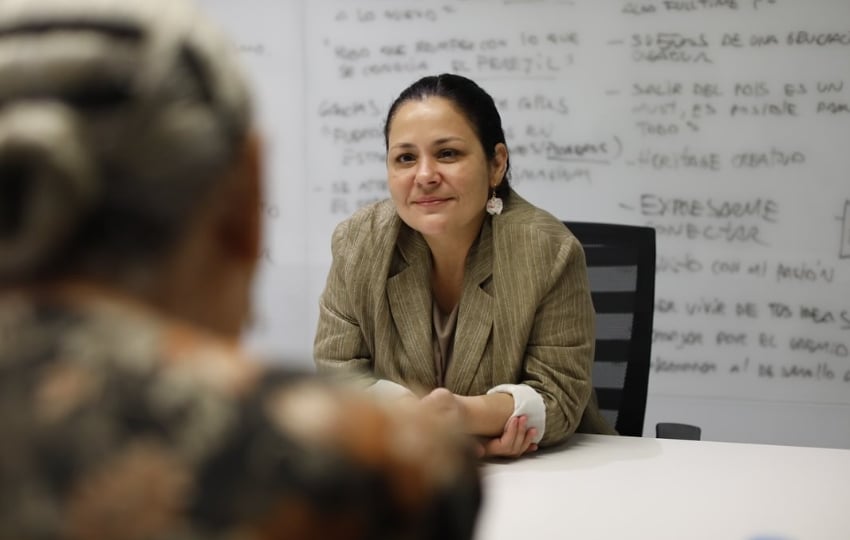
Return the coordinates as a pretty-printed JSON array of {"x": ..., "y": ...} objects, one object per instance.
[{"x": 129, "y": 235}]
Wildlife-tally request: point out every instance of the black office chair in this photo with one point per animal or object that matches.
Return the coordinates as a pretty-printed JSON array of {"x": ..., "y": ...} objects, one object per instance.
[{"x": 621, "y": 270}]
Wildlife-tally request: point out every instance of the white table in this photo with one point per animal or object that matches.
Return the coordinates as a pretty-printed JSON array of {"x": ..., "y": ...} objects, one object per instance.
[{"x": 605, "y": 487}]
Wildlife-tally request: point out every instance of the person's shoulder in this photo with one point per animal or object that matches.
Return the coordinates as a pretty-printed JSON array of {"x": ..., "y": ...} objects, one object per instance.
[
  {"x": 524, "y": 219},
  {"x": 368, "y": 234},
  {"x": 374, "y": 215},
  {"x": 379, "y": 216}
]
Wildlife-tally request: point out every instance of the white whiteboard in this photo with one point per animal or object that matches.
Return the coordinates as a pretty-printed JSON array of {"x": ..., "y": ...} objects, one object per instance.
[{"x": 723, "y": 123}]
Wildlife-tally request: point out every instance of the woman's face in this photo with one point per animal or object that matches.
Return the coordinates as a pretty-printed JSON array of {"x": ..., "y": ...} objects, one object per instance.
[{"x": 439, "y": 177}]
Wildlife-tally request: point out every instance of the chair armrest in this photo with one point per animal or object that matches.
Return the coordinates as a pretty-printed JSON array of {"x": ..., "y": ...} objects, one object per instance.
[{"x": 673, "y": 430}]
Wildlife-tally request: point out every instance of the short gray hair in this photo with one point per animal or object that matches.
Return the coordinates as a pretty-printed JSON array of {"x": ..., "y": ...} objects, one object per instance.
[{"x": 115, "y": 116}]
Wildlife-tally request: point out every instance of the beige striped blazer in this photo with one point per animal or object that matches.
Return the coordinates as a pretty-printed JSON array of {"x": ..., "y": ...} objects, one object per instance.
[{"x": 525, "y": 314}]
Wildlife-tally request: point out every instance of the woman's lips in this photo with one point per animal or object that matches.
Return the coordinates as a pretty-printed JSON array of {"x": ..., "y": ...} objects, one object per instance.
[{"x": 430, "y": 201}]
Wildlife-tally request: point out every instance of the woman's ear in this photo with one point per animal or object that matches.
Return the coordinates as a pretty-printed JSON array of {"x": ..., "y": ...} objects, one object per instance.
[
  {"x": 240, "y": 225},
  {"x": 499, "y": 165},
  {"x": 209, "y": 278}
]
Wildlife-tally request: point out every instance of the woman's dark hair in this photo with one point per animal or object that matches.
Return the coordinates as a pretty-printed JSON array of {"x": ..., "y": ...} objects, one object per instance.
[
  {"x": 473, "y": 102},
  {"x": 116, "y": 119}
]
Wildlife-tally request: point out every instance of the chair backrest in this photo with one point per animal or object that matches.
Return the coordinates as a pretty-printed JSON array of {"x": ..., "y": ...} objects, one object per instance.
[{"x": 621, "y": 270}]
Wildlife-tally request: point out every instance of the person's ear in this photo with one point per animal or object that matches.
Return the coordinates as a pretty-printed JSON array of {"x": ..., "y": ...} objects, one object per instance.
[
  {"x": 499, "y": 165},
  {"x": 240, "y": 227}
]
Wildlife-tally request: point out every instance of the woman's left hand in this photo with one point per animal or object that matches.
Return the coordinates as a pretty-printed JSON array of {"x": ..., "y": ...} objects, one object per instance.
[
  {"x": 515, "y": 441},
  {"x": 516, "y": 437}
]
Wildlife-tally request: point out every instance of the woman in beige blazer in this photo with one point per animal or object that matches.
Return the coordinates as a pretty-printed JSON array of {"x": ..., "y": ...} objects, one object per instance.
[{"x": 457, "y": 289}]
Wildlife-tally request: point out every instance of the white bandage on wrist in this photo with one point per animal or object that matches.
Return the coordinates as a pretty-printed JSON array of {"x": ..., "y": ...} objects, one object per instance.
[{"x": 528, "y": 403}]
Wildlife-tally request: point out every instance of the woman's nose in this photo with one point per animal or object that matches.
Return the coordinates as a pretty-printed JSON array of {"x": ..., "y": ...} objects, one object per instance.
[{"x": 426, "y": 172}]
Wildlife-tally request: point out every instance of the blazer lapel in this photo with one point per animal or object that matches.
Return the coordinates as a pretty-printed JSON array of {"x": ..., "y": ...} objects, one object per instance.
[
  {"x": 475, "y": 318},
  {"x": 409, "y": 297}
]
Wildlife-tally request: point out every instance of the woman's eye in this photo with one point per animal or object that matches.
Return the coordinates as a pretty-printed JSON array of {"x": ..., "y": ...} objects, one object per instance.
[
  {"x": 405, "y": 158},
  {"x": 447, "y": 153}
]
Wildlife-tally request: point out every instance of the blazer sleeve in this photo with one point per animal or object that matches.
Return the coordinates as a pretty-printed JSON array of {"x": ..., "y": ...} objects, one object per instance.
[
  {"x": 340, "y": 348},
  {"x": 559, "y": 354}
]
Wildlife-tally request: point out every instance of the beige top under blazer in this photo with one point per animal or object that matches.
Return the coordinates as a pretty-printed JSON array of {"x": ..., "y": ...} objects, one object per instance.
[{"x": 525, "y": 314}]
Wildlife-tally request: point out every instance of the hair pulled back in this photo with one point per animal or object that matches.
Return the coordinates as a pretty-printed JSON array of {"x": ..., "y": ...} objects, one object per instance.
[{"x": 115, "y": 118}]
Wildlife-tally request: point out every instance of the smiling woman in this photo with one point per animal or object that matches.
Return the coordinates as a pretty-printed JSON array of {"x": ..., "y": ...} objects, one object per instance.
[
  {"x": 438, "y": 175},
  {"x": 457, "y": 292}
]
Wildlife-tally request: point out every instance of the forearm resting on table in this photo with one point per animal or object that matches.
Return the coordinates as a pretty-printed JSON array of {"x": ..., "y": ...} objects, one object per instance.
[
  {"x": 483, "y": 415},
  {"x": 487, "y": 415}
]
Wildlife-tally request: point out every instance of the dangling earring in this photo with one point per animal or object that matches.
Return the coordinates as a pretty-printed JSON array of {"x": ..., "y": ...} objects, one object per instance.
[{"x": 494, "y": 204}]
